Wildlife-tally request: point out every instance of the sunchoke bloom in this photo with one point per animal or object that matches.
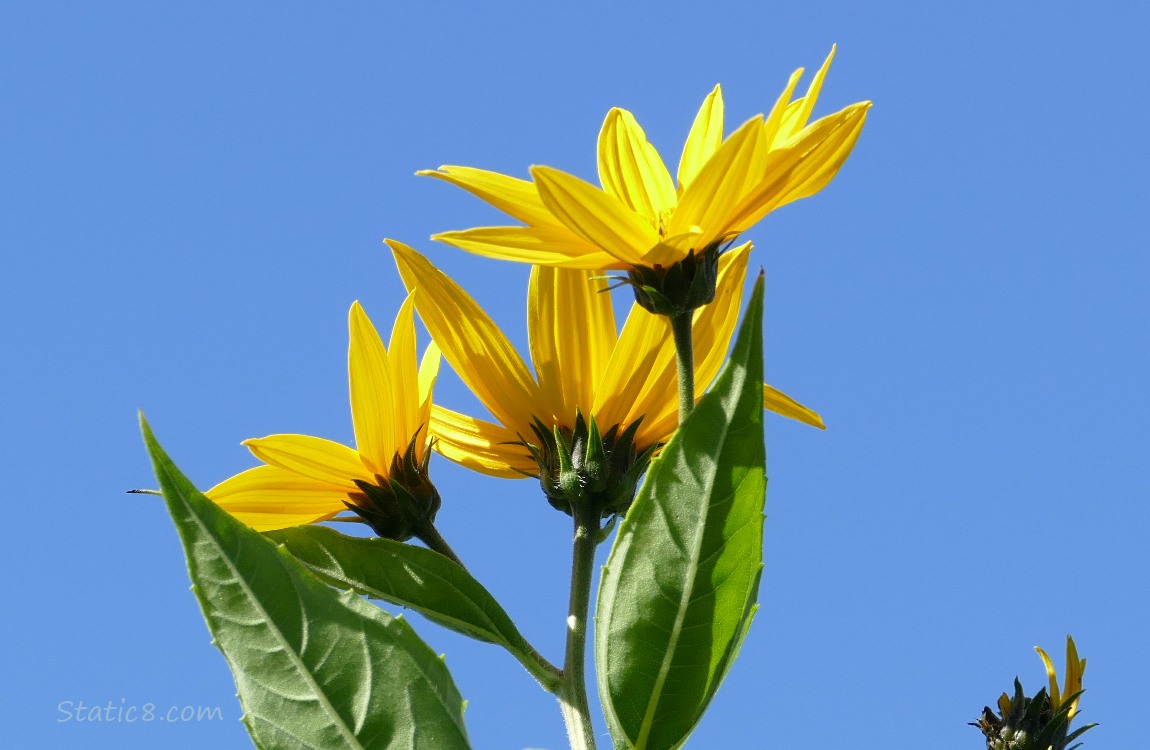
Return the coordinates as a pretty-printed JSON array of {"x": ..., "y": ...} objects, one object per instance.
[
  {"x": 1074, "y": 670},
  {"x": 585, "y": 371},
  {"x": 384, "y": 479},
  {"x": 640, "y": 219},
  {"x": 1041, "y": 722}
]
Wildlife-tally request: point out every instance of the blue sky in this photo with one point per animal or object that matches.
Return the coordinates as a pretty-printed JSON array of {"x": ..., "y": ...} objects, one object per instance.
[{"x": 191, "y": 196}]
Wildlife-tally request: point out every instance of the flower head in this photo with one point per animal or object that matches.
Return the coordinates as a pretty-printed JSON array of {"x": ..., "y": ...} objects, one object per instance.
[
  {"x": 1041, "y": 722},
  {"x": 640, "y": 218},
  {"x": 585, "y": 371},
  {"x": 384, "y": 479}
]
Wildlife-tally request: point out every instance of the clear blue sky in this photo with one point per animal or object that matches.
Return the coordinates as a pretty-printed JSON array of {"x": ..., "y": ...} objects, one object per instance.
[{"x": 192, "y": 195}]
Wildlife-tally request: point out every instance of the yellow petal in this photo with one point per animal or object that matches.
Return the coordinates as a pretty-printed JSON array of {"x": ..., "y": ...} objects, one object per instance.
[
  {"x": 482, "y": 446},
  {"x": 704, "y": 139},
  {"x": 268, "y": 497},
  {"x": 825, "y": 159},
  {"x": 642, "y": 364},
  {"x": 514, "y": 197},
  {"x": 630, "y": 168},
  {"x": 544, "y": 246},
  {"x": 371, "y": 385},
  {"x": 597, "y": 217},
  {"x": 720, "y": 184},
  {"x": 1075, "y": 668},
  {"x": 1051, "y": 677},
  {"x": 405, "y": 393},
  {"x": 802, "y": 168},
  {"x": 780, "y": 403},
  {"x": 798, "y": 120},
  {"x": 478, "y": 351},
  {"x": 783, "y": 105},
  {"x": 571, "y": 329},
  {"x": 673, "y": 249},
  {"x": 319, "y": 459},
  {"x": 428, "y": 374}
]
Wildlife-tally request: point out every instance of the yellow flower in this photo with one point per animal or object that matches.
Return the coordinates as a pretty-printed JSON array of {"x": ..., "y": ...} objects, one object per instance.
[
  {"x": 582, "y": 365},
  {"x": 640, "y": 218},
  {"x": 1074, "y": 669},
  {"x": 308, "y": 479}
]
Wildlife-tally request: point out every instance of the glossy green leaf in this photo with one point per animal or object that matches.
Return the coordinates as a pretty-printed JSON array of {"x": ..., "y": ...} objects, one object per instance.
[
  {"x": 679, "y": 588},
  {"x": 314, "y": 668},
  {"x": 414, "y": 577}
]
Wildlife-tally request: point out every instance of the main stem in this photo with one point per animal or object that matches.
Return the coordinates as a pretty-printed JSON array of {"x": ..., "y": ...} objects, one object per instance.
[
  {"x": 685, "y": 356},
  {"x": 572, "y": 692}
]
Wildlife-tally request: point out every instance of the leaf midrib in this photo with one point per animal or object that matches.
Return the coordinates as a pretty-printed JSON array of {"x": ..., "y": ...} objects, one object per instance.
[{"x": 684, "y": 603}]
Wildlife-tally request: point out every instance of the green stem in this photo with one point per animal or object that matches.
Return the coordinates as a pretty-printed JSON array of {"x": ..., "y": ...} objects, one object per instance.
[
  {"x": 685, "y": 356},
  {"x": 430, "y": 536},
  {"x": 572, "y": 692}
]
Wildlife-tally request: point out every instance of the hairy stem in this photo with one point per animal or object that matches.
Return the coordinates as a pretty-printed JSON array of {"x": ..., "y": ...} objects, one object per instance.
[
  {"x": 572, "y": 691},
  {"x": 685, "y": 356}
]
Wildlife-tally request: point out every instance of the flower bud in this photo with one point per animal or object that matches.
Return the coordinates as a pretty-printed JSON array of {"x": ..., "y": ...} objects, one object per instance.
[{"x": 583, "y": 468}]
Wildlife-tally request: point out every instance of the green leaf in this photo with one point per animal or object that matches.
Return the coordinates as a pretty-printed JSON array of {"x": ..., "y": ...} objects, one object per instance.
[
  {"x": 414, "y": 577},
  {"x": 679, "y": 588},
  {"x": 314, "y": 668}
]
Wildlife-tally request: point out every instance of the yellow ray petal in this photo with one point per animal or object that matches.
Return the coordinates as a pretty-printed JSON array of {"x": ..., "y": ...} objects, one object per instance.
[
  {"x": 1051, "y": 677},
  {"x": 631, "y": 169},
  {"x": 571, "y": 329},
  {"x": 797, "y": 120},
  {"x": 704, "y": 139},
  {"x": 512, "y": 196},
  {"x": 659, "y": 430},
  {"x": 319, "y": 459},
  {"x": 643, "y": 362},
  {"x": 371, "y": 385},
  {"x": 268, "y": 497},
  {"x": 428, "y": 374},
  {"x": 824, "y": 160},
  {"x": 475, "y": 444},
  {"x": 778, "y": 114},
  {"x": 597, "y": 217},
  {"x": 404, "y": 376},
  {"x": 673, "y": 249},
  {"x": 544, "y": 246},
  {"x": 802, "y": 168},
  {"x": 1075, "y": 668},
  {"x": 478, "y": 351},
  {"x": 720, "y": 184},
  {"x": 780, "y": 403}
]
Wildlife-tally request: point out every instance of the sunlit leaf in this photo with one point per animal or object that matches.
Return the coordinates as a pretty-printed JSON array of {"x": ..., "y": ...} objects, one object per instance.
[
  {"x": 679, "y": 588},
  {"x": 414, "y": 577},
  {"x": 314, "y": 668}
]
